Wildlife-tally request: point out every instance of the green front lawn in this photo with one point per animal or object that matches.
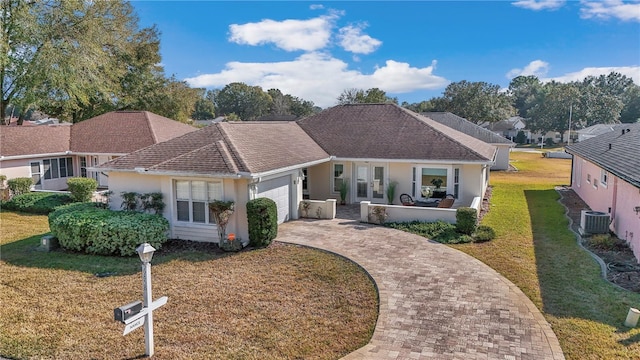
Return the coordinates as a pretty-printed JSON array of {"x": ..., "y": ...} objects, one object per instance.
[
  {"x": 282, "y": 302},
  {"x": 536, "y": 251}
]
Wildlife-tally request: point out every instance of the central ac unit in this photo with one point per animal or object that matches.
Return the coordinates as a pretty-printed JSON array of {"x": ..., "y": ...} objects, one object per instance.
[{"x": 594, "y": 222}]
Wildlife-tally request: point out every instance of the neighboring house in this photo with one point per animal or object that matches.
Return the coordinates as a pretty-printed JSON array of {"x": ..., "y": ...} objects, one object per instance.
[
  {"x": 366, "y": 145},
  {"x": 50, "y": 154},
  {"x": 606, "y": 175},
  {"x": 597, "y": 129},
  {"x": 456, "y": 122},
  {"x": 509, "y": 128}
]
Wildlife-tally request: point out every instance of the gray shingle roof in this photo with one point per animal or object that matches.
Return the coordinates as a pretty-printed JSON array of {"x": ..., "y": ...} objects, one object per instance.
[
  {"x": 614, "y": 151},
  {"x": 387, "y": 131},
  {"x": 463, "y": 125},
  {"x": 227, "y": 149}
]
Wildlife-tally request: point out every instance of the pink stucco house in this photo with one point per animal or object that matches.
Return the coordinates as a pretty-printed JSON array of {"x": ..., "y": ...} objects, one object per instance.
[{"x": 606, "y": 175}]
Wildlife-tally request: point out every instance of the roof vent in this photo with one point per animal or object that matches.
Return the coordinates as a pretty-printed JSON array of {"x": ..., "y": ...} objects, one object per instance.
[
  {"x": 609, "y": 146},
  {"x": 594, "y": 222}
]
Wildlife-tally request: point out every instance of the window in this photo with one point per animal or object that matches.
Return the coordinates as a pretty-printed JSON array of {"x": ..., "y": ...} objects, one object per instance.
[
  {"x": 338, "y": 177},
  {"x": 192, "y": 200},
  {"x": 604, "y": 176},
  {"x": 57, "y": 168},
  {"x": 595, "y": 183},
  {"x": 456, "y": 182},
  {"x": 83, "y": 166},
  {"x": 589, "y": 178},
  {"x": 431, "y": 177},
  {"x": 413, "y": 182}
]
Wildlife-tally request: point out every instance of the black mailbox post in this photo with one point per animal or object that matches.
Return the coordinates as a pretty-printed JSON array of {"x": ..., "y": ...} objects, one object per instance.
[{"x": 125, "y": 312}]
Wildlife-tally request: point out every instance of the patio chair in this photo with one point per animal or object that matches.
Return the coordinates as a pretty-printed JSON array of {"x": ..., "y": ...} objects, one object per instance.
[
  {"x": 447, "y": 202},
  {"x": 407, "y": 200}
]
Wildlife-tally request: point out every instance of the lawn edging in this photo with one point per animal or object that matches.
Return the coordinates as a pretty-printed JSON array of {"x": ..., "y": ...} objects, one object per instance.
[{"x": 598, "y": 259}]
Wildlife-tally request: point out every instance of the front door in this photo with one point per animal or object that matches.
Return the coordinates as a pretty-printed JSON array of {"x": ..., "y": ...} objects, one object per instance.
[{"x": 370, "y": 182}]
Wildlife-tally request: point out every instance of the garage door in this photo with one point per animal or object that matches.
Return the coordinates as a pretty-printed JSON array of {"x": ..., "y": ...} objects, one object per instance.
[{"x": 277, "y": 190}]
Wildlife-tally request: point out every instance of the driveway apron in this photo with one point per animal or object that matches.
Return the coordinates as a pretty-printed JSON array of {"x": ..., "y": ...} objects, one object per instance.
[{"x": 435, "y": 302}]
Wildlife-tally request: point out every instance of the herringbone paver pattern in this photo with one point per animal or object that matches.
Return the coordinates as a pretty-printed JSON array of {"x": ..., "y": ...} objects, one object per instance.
[{"x": 435, "y": 302}]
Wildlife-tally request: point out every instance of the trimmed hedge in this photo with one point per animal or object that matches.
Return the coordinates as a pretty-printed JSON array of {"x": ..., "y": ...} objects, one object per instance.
[
  {"x": 105, "y": 232},
  {"x": 82, "y": 189},
  {"x": 466, "y": 220},
  {"x": 37, "y": 202},
  {"x": 262, "y": 216},
  {"x": 19, "y": 186}
]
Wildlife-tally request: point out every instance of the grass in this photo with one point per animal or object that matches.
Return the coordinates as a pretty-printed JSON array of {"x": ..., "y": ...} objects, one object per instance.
[
  {"x": 282, "y": 302},
  {"x": 536, "y": 251}
]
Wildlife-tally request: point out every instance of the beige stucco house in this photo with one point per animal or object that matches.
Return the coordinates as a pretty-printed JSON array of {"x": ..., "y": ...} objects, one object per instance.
[
  {"x": 51, "y": 154},
  {"x": 367, "y": 146}
]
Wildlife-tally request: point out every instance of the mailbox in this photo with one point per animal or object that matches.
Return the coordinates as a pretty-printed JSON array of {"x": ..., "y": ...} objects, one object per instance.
[{"x": 125, "y": 312}]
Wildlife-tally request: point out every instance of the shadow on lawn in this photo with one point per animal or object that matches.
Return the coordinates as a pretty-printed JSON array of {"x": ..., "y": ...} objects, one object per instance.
[
  {"x": 28, "y": 252},
  {"x": 570, "y": 281}
]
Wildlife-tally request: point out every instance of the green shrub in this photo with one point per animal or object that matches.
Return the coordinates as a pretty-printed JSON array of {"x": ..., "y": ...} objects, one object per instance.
[
  {"x": 606, "y": 242},
  {"x": 521, "y": 138},
  {"x": 129, "y": 200},
  {"x": 82, "y": 189},
  {"x": 466, "y": 220},
  {"x": 19, "y": 186},
  {"x": 430, "y": 230},
  {"x": 262, "y": 216},
  {"x": 37, "y": 202},
  {"x": 152, "y": 201},
  {"x": 484, "y": 233},
  {"x": 3, "y": 178},
  {"x": 106, "y": 232},
  {"x": 64, "y": 209}
]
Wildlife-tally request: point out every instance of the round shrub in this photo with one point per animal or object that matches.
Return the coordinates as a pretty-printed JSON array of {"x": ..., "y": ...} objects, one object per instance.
[
  {"x": 262, "y": 216},
  {"x": 19, "y": 186},
  {"x": 37, "y": 202},
  {"x": 82, "y": 189},
  {"x": 73, "y": 207},
  {"x": 484, "y": 233},
  {"x": 466, "y": 220},
  {"x": 106, "y": 232}
]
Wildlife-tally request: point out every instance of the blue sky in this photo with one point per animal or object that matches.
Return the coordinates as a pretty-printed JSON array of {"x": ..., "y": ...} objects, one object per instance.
[{"x": 412, "y": 50}]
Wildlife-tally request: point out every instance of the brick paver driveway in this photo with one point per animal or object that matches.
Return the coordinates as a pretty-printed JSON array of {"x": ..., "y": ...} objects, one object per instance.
[{"x": 435, "y": 302}]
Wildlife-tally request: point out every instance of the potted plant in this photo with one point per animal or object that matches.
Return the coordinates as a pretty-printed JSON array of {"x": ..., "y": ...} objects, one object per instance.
[
  {"x": 391, "y": 192},
  {"x": 344, "y": 189},
  {"x": 437, "y": 193}
]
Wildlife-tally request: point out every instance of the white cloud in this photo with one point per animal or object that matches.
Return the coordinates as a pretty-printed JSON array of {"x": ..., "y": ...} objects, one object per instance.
[
  {"x": 630, "y": 71},
  {"x": 316, "y": 6},
  {"x": 290, "y": 35},
  {"x": 610, "y": 9},
  {"x": 353, "y": 40},
  {"x": 539, "y": 4},
  {"x": 538, "y": 68},
  {"x": 321, "y": 78}
]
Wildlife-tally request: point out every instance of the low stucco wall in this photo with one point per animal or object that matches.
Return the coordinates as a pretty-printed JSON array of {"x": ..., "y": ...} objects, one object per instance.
[
  {"x": 399, "y": 213},
  {"x": 326, "y": 209}
]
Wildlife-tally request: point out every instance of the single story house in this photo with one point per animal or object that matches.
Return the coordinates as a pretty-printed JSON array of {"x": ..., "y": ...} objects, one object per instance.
[
  {"x": 366, "y": 146},
  {"x": 606, "y": 175},
  {"x": 595, "y": 130},
  {"x": 50, "y": 154},
  {"x": 502, "y": 144}
]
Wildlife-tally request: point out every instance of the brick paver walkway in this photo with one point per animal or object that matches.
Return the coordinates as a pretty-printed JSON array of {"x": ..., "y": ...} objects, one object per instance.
[{"x": 435, "y": 302}]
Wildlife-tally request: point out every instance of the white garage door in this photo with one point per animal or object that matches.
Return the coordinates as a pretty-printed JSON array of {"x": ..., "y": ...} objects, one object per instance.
[{"x": 277, "y": 190}]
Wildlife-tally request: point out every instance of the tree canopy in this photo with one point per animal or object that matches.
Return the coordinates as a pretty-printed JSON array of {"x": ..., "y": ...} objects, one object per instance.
[{"x": 360, "y": 96}]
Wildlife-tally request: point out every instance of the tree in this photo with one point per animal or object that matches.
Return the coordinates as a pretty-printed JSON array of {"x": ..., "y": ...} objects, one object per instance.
[
  {"x": 205, "y": 107},
  {"x": 248, "y": 102},
  {"x": 551, "y": 109},
  {"x": 359, "y": 96},
  {"x": 523, "y": 90},
  {"x": 67, "y": 57},
  {"x": 476, "y": 101},
  {"x": 622, "y": 88}
]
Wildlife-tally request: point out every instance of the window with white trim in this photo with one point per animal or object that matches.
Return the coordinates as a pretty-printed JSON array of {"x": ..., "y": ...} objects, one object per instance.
[
  {"x": 338, "y": 177},
  {"x": 192, "y": 200},
  {"x": 589, "y": 178},
  {"x": 456, "y": 182},
  {"x": 56, "y": 168},
  {"x": 604, "y": 177},
  {"x": 413, "y": 182}
]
